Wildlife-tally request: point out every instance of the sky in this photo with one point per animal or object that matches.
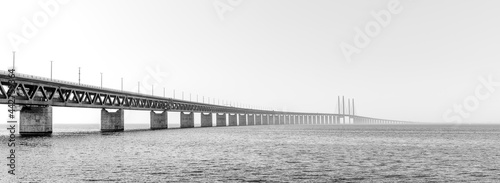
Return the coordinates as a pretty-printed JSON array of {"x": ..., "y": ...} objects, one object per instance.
[{"x": 427, "y": 61}]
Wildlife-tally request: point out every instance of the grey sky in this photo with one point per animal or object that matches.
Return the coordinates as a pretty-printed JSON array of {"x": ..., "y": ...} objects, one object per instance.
[{"x": 273, "y": 53}]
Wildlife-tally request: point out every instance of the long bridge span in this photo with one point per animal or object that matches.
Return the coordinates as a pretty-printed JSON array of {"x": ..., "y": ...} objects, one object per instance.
[{"x": 35, "y": 96}]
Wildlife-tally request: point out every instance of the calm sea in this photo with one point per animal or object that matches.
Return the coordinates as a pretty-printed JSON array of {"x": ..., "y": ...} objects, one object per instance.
[{"x": 310, "y": 153}]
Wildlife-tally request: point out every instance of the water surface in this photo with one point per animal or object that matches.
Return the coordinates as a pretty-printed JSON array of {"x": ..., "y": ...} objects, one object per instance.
[{"x": 302, "y": 153}]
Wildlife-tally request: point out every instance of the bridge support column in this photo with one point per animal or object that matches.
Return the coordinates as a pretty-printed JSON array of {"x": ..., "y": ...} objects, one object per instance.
[
  {"x": 233, "y": 120},
  {"x": 251, "y": 119},
  {"x": 206, "y": 120},
  {"x": 243, "y": 119},
  {"x": 282, "y": 119},
  {"x": 187, "y": 120},
  {"x": 221, "y": 119},
  {"x": 112, "y": 121},
  {"x": 35, "y": 121},
  {"x": 158, "y": 121},
  {"x": 258, "y": 119},
  {"x": 265, "y": 119}
]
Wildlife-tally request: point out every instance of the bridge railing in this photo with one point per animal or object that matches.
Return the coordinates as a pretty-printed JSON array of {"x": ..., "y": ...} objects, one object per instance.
[{"x": 27, "y": 76}]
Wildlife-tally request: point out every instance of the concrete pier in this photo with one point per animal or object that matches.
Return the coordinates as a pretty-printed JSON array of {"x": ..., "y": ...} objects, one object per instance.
[
  {"x": 276, "y": 119},
  {"x": 221, "y": 119},
  {"x": 251, "y": 119},
  {"x": 112, "y": 121},
  {"x": 206, "y": 120},
  {"x": 158, "y": 121},
  {"x": 282, "y": 120},
  {"x": 243, "y": 119},
  {"x": 35, "y": 121},
  {"x": 187, "y": 120},
  {"x": 265, "y": 119},
  {"x": 233, "y": 120},
  {"x": 258, "y": 119}
]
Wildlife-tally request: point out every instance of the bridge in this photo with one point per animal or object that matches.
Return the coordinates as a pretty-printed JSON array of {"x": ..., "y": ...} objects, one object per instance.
[{"x": 34, "y": 96}]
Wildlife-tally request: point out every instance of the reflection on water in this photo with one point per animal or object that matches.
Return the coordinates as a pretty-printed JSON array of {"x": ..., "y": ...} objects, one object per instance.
[{"x": 262, "y": 153}]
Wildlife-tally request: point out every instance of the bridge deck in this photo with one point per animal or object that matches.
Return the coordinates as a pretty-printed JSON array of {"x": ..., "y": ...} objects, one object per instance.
[{"x": 39, "y": 91}]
